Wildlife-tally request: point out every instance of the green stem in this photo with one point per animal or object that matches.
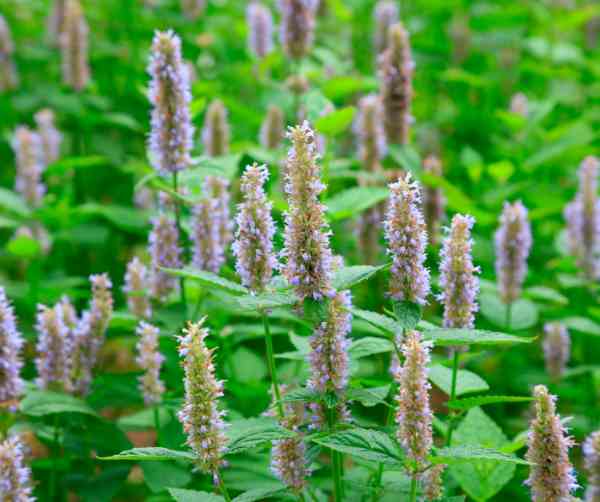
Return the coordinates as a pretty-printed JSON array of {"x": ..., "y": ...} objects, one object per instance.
[
  {"x": 157, "y": 425},
  {"x": 453, "y": 395},
  {"x": 176, "y": 203},
  {"x": 56, "y": 455},
  {"x": 335, "y": 461},
  {"x": 271, "y": 361},
  {"x": 508, "y": 315},
  {"x": 223, "y": 488},
  {"x": 413, "y": 488}
]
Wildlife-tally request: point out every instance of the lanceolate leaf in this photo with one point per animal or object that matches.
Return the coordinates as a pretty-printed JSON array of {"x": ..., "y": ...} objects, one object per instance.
[
  {"x": 152, "y": 454},
  {"x": 348, "y": 277},
  {"x": 354, "y": 201},
  {"x": 266, "y": 301},
  {"x": 251, "y": 433},
  {"x": 457, "y": 454},
  {"x": 39, "y": 403},
  {"x": 444, "y": 337},
  {"x": 368, "y": 396},
  {"x": 472, "y": 402},
  {"x": 381, "y": 321},
  {"x": 208, "y": 279},
  {"x": 466, "y": 381}
]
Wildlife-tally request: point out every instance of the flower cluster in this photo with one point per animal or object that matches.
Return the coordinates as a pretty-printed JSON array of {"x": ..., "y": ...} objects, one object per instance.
[
  {"x": 217, "y": 188},
  {"x": 215, "y": 133},
  {"x": 8, "y": 73},
  {"x": 591, "y": 456},
  {"x": 297, "y": 26},
  {"x": 458, "y": 279},
  {"x": 551, "y": 476},
  {"x": 253, "y": 244},
  {"x": 307, "y": 252},
  {"x": 164, "y": 252},
  {"x": 272, "y": 128},
  {"x": 369, "y": 131},
  {"x": 54, "y": 349},
  {"x": 519, "y": 104},
  {"x": 513, "y": 243},
  {"x": 557, "y": 348},
  {"x": 396, "y": 68},
  {"x": 171, "y": 126},
  {"x": 150, "y": 360},
  {"x": 49, "y": 134},
  {"x": 29, "y": 154},
  {"x": 406, "y": 235},
  {"x": 74, "y": 47},
  {"x": 136, "y": 288},
  {"x": 386, "y": 15},
  {"x": 11, "y": 344},
  {"x": 15, "y": 475},
  {"x": 583, "y": 219},
  {"x": 193, "y": 9},
  {"x": 413, "y": 415},
  {"x": 434, "y": 202},
  {"x": 260, "y": 29},
  {"x": 200, "y": 416}
]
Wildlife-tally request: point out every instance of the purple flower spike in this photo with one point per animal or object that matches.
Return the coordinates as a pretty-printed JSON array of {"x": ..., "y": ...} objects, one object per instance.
[
  {"x": 272, "y": 128},
  {"x": 74, "y": 47},
  {"x": 150, "y": 360},
  {"x": 434, "y": 202},
  {"x": 297, "y": 26},
  {"x": 29, "y": 154},
  {"x": 260, "y": 29},
  {"x": 11, "y": 344},
  {"x": 9, "y": 79},
  {"x": 136, "y": 288},
  {"x": 557, "y": 348},
  {"x": 49, "y": 134},
  {"x": 386, "y": 15},
  {"x": 591, "y": 457},
  {"x": 216, "y": 133},
  {"x": 15, "y": 475},
  {"x": 406, "y": 234},
  {"x": 169, "y": 93},
  {"x": 165, "y": 252},
  {"x": 551, "y": 477}
]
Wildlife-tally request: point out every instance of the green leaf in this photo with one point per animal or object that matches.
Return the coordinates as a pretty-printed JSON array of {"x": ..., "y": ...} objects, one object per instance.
[
  {"x": 336, "y": 122},
  {"x": 248, "y": 366},
  {"x": 260, "y": 494},
  {"x": 367, "y": 444},
  {"x": 316, "y": 104},
  {"x": 380, "y": 321},
  {"x": 473, "y": 402},
  {"x": 24, "y": 247},
  {"x": 466, "y": 381},
  {"x": 266, "y": 301},
  {"x": 124, "y": 218},
  {"x": 407, "y": 157},
  {"x": 408, "y": 314},
  {"x": 341, "y": 88},
  {"x": 208, "y": 279},
  {"x": 13, "y": 203},
  {"x": 371, "y": 396},
  {"x": 523, "y": 314},
  {"x": 161, "y": 475},
  {"x": 369, "y": 345},
  {"x": 347, "y": 277},
  {"x": 583, "y": 325},
  {"x": 143, "y": 419},
  {"x": 472, "y": 454},
  {"x": 67, "y": 163},
  {"x": 448, "y": 337},
  {"x": 181, "y": 495},
  {"x": 300, "y": 395},
  {"x": 354, "y": 201},
  {"x": 152, "y": 453},
  {"x": 253, "y": 432},
  {"x": 39, "y": 403},
  {"x": 546, "y": 294}
]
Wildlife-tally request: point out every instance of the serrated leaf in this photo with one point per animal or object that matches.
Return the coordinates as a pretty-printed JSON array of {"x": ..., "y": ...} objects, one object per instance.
[
  {"x": 381, "y": 321},
  {"x": 367, "y": 444},
  {"x": 208, "y": 279},
  {"x": 253, "y": 432},
  {"x": 336, "y": 122},
  {"x": 39, "y": 403},
  {"x": 266, "y": 301},
  {"x": 181, "y": 495},
  {"x": 302, "y": 394},
  {"x": 354, "y": 201},
  {"x": 347, "y": 277},
  {"x": 447, "y": 337},
  {"x": 369, "y": 345},
  {"x": 371, "y": 396},
  {"x": 152, "y": 454},
  {"x": 466, "y": 381},
  {"x": 473, "y": 402},
  {"x": 456, "y": 454},
  {"x": 408, "y": 314}
]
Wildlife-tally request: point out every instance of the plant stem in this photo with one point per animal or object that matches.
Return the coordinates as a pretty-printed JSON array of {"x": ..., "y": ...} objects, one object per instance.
[
  {"x": 413, "y": 488},
  {"x": 157, "y": 425},
  {"x": 271, "y": 361},
  {"x": 55, "y": 454},
  {"x": 452, "y": 395},
  {"x": 508, "y": 315},
  {"x": 223, "y": 488},
  {"x": 176, "y": 203},
  {"x": 335, "y": 462},
  {"x": 388, "y": 418}
]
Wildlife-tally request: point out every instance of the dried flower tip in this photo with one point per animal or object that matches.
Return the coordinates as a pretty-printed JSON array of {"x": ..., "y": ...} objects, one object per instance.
[
  {"x": 215, "y": 133},
  {"x": 396, "y": 68},
  {"x": 386, "y": 15},
  {"x": 164, "y": 252},
  {"x": 414, "y": 416},
  {"x": 193, "y": 9},
  {"x": 433, "y": 486},
  {"x": 15, "y": 475},
  {"x": 150, "y": 360},
  {"x": 551, "y": 475},
  {"x": 253, "y": 244},
  {"x": 513, "y": 243},
  {"x": 169, "y": 93},
  {"x": 260, "y": 29},
  {"x": 591, "y": 459},
  {"x": 54, "y": 349},
  {"x": 200, "y": 416},
  {"x": 27, "y": 146},
  {"x": 519, "y": 104},
  {"x": 49, "y": 134},
  {"x": 272, "y": 128},
  {"x": 308, "y": 256},
  {"x": 557, "y": 348},
  {"x": 369, "y": 131},
  {"x": 74, "y": 47},
  {"x": 297, "y": 26},
  {"x": 137, "y": 285},
  {"x": 8, "y": 73},
  {"x": 583, "y": 219},
  {"x": 434, "y": 202},
  {"x": 11, "y": 344},
  {"x": 458, "y": 280},
  {"x": 406, "y": 235}
]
